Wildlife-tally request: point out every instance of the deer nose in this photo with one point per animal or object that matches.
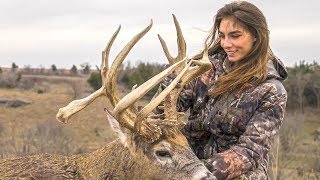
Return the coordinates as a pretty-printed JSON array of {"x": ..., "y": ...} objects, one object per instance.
[{"x": 209, "y": 177}]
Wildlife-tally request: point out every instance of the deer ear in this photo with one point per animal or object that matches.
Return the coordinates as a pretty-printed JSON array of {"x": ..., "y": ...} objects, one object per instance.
[{"x": 116, "y": 127}]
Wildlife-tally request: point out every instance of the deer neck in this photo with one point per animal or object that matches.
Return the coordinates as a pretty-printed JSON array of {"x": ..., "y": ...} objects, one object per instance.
[{"x": 111, "y": 161}]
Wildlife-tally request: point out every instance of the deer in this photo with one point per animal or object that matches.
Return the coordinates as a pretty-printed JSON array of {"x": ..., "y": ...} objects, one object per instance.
[{"x": 149, "y": 146}]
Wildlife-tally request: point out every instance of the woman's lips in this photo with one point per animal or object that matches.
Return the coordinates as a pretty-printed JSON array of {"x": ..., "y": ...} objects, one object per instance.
[{"x": 231, "y": 53}]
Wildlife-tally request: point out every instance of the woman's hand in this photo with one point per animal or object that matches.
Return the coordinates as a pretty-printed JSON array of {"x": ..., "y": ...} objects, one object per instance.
[{"x": 206, "y": 77}]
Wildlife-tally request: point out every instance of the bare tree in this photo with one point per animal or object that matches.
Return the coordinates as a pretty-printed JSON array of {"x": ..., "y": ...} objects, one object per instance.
[
  {"x": 27, "y": 69},
  {"x": 77, "y": 88},
  {"x": 85, "y": 68},
  {"x": 41, "y": 69},
  {"x": 315, "y": 84}
]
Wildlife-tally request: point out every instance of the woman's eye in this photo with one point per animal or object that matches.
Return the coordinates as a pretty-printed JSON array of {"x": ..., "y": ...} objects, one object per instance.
[{"x": 235, "y": 36}]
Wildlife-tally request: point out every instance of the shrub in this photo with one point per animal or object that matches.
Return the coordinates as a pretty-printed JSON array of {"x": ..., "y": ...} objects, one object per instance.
[
  {"x": 54, "y": 68},
  {"x": 95, "y": 80},
  {"x": 74, "y": 70},
  {"x": 14, "y": 67},
  {"x": 140, "y": 74}
]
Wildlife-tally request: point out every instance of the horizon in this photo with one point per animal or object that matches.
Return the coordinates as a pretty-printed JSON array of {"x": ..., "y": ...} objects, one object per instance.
[{"x": 93, "y": 67}]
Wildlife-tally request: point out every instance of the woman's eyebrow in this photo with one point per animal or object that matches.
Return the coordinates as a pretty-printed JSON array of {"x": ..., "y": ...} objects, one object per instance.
[
  {"x": 235, "y": 32},
  {"x": 232, "y": 32}
]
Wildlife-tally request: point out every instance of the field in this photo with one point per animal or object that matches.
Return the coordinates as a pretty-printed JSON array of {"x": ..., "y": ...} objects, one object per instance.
[
  {"x": 32, "y": 124},
  {"x": 33, "y": 129}
]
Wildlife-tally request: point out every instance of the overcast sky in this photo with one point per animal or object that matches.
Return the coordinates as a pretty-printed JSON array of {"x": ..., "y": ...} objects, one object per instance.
[{"x": 67, "y": 32}]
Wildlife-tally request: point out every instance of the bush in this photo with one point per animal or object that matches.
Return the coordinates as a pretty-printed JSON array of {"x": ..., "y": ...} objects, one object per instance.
[
  {"x": 95, "y": 80},
  {"x": 14, "y": 67},
  {"x": 54, "y": 68},
  {"x": 140, "y": 74},
  {"x": 74, "y": 70}
]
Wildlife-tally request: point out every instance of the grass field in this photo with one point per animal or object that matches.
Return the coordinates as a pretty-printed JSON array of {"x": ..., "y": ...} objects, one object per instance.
[
  {"x": 33, "y": 129},
  {"x": 86, "y": 130}
]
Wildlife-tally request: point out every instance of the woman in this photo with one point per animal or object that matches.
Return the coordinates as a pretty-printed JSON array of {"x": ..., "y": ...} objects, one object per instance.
[{"x": 232, "y": 127}]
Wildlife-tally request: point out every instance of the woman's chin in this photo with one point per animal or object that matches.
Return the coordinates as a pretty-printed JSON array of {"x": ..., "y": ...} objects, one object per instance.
[{"x": 234, "y": 58}]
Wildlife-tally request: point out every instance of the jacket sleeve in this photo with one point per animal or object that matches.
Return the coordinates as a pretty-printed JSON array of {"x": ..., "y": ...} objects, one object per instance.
[
  {"x": 194, "y": 94},
  {"x": 254, "y": 144}
]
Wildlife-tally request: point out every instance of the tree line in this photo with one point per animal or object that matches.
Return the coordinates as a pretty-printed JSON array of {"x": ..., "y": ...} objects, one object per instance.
[
  {"x": 302, "y": 84},
  {"x": 85, "y": 69}
]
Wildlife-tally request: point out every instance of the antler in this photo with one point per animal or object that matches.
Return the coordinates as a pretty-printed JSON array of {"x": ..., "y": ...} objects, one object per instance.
[
  {"x": 186, "y": 73},
  {"x": 124, "y": 110},
  {"x": 108, "y": 88}
]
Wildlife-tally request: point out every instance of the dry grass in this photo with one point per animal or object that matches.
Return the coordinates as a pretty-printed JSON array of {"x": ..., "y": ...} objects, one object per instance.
[
  {"x": 301, "y": 158},
  {"x": 88, "y": 129}
]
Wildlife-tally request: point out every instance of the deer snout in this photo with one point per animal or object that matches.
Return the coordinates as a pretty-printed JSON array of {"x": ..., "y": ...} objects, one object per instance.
[
  {"x": 209, "y": 177},
  {"x": 203, "y": 174}
]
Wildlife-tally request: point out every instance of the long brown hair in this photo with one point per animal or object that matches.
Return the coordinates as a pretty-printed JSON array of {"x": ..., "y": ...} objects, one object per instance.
[{"x": 253, "y": 68}]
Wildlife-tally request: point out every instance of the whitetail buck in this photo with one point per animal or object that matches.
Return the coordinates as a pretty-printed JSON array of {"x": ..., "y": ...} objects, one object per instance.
[{"x": 149, "y": 146}]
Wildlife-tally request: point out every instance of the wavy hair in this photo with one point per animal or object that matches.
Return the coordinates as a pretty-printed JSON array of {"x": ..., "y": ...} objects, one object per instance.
[{"x": 252, "y": 69}]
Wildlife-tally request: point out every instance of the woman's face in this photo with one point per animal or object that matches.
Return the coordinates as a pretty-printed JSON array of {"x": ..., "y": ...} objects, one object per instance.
[{"x": 236, "y": 40}]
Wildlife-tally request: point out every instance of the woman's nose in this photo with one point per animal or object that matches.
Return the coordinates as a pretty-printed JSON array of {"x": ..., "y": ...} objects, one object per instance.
[{"x": 225, "y": 43}]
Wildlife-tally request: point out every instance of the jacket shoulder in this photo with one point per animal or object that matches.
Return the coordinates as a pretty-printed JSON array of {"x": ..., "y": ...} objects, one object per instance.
[{"x": 276, "y": 86}]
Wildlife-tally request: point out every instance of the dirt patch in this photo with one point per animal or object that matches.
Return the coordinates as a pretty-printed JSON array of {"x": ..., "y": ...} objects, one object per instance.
[{"x": 13, "y": 103}]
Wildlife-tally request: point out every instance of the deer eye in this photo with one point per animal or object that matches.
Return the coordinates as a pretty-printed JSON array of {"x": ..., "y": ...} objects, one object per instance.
[{"x": 163, "y": 153}]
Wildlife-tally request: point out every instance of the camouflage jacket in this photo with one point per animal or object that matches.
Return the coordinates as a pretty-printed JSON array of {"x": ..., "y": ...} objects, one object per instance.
[{"x": 233, "y": 133}]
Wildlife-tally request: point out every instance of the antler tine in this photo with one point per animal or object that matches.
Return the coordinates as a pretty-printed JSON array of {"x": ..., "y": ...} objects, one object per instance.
[
  {"x": 105, "y": 56},
  {"x": 65, "y": 113},
  {"x": 181, "y": 44},
  {"x": 180, "y": 40}
]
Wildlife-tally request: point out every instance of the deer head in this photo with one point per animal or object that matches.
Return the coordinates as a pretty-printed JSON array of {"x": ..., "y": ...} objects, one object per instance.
[{"x": 154, "y": 141}]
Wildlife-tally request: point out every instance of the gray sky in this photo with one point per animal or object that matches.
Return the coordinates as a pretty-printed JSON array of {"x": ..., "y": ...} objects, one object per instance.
[{"x": 67, "y": 32}]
